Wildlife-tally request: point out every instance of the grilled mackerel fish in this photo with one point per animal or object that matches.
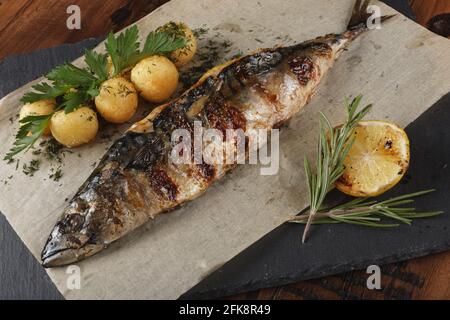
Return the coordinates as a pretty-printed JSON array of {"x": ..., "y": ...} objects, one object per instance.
[{"x": 134, "y": 182}]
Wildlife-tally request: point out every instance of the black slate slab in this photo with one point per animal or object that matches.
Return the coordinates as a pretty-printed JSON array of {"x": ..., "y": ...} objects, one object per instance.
[{"x": 278, "y": 257}]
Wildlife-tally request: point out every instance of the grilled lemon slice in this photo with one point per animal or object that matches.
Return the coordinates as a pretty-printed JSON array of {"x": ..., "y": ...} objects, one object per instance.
[{"x": 377, "y": 160}]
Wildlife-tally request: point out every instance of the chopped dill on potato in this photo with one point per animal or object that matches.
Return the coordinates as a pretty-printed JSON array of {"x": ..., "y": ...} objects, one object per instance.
[{"x": 173, "y": 28}]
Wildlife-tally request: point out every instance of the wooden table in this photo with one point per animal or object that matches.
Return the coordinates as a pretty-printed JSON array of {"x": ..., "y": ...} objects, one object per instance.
[{"x": 27, "y": 25}]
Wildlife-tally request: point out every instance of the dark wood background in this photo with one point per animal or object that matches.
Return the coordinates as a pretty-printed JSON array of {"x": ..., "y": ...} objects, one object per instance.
[{"x": 27, "y": 25}]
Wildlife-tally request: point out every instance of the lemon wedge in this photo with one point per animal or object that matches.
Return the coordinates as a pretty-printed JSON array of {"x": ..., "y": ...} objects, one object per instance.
[{"x": 377, "y": 160}]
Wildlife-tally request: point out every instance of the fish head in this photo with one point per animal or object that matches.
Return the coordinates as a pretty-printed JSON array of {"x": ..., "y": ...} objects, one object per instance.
[
  {"x": 95, "y": 217},
  {"x": 69, "y": 242}
]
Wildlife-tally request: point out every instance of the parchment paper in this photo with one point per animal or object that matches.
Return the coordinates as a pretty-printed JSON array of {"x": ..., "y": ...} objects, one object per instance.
[{"x": 400, "y": 68}]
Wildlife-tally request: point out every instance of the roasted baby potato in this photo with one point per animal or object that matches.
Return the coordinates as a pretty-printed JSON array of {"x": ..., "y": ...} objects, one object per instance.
[
  {"x": 155, "y": 77},
  {"x": 74, "y": 128},
  {"x": 117, "y": 100},
  {"x": 183, "y": 55}
]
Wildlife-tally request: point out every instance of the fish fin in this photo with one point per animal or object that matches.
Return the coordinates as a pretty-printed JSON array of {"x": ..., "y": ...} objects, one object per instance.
[{"x": 359, "y": 17}]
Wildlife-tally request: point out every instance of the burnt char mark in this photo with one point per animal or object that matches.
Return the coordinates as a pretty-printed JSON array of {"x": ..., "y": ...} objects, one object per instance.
[
  {"x": 162, "y": 184},
  {"x": 200, "y": 91},
  {"x": 125, "y": 147},
  {"x": 207, "y": 171},
  {"x": 320, "y": 46},
  {"x": 254, "y": 65},
  {"x": 120, "y": 155},
  {"x": 185, "y": 101},
  {"x": 173, "y": 118},
  {"x": 73, "y": 239},
  {"x": 117, "y": 221},
  {"x": 71, "y": 223},
  {"x": 303, "y": 68},
  {"x": 321, "y": 49},
  {"x": 222, "y": 115},
  {"x": 150, "y": 153},
  {"x": 345, "y": 181}
]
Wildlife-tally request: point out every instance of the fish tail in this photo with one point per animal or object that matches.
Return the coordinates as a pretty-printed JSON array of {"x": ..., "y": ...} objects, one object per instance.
[{"x": 358, "y": 20}]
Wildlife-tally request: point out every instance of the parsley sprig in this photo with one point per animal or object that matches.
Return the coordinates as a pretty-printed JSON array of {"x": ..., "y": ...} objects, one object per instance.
[
  {"x": 32, "y": 127},
  {"x": 43, "y": 91},
  {"x": 72, "y": 86},
  {"x": 124, "y": 49},
  {"x": 162, "y": 42},
  {"x": 97, "y": 63}
]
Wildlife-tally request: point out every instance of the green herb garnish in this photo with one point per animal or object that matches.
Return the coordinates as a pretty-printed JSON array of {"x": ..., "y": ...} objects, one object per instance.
[
  {"x": 369, "y": 213},
  {"x": 98, "y": 64},
  {"x": 199, "y": 32},
  {"x": 161, "y": 42},
  {"x": 70, "y": 76},
  {"x": 31, "y": 168},
  {"x": 31, "y": 129},
  {"x": 52, "y": 150},
  {"x": 124, "y": 49},
  {"x": 56, "y": 174},
  {"x": 44, "y": 91}
]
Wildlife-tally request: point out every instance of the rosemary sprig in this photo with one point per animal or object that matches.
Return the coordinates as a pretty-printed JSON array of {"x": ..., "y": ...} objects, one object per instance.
[
  {"x": 333, "y": 146},
  {"x": 370, "y": 213}
]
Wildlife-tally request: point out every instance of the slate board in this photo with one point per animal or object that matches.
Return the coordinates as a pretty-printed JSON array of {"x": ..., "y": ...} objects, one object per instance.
[{"x": 278, "y": 258}]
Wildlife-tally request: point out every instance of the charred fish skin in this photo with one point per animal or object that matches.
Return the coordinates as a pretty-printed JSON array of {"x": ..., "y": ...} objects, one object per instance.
[{"x": 135, "y": 181}]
